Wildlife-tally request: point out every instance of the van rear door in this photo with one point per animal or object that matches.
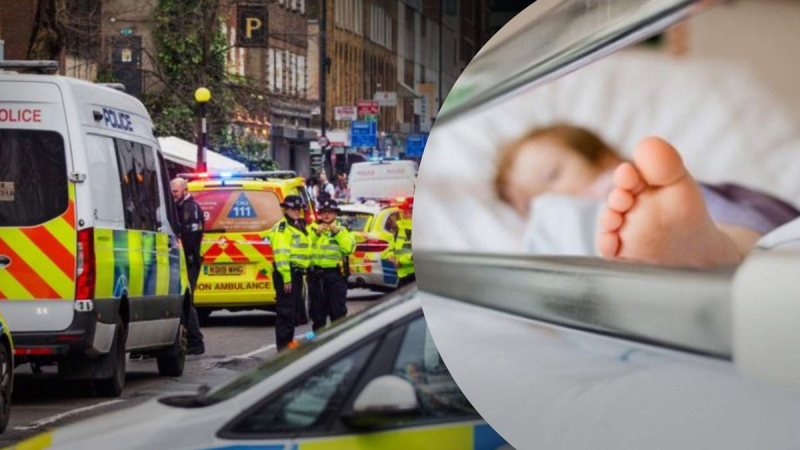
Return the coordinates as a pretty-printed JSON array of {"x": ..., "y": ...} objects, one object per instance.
[
  {"x": 37, "y": 204},
  {"x": 237, "y": 254}
]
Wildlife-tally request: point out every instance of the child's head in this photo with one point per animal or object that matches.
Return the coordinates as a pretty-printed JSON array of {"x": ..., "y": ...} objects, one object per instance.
[{"x": 560, "y": 159}]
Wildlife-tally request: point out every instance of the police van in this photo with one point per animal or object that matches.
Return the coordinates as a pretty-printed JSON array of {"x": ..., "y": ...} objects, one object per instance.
[{"x": 90, "y": 264}]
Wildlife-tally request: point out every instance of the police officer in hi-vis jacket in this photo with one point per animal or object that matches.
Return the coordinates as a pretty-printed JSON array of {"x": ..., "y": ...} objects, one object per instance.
[
  {"x": 331, "y": 243},
  {"x": 290, "y": 245}
]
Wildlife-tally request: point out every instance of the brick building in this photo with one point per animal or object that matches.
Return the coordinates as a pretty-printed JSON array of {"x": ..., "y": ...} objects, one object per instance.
[
  {"x": 16, "y": 25},
  {"x": 282, "y": 112}
]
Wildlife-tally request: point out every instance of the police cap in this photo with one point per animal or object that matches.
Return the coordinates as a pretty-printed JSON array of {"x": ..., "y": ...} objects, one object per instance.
[
  {"x": 292, "y": 202},
  {"x": 329, "y": 205}
]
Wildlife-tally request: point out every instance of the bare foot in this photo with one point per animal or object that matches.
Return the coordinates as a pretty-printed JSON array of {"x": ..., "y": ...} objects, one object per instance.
[{"x": 656, "y": 214}]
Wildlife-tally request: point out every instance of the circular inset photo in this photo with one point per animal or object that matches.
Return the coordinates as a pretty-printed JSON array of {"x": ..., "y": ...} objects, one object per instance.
[{"x": 607, "y": 232}]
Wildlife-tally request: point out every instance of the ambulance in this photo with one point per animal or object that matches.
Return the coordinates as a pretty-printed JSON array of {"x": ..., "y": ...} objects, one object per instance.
[
  {"x": 90, "y": 264},
  {"x": 370, "y": 223},
  {"x": 240, "y": 209}
]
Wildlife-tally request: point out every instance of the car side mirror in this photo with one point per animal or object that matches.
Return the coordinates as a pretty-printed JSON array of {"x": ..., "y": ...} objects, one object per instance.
[{"x": 383, "y": 401}]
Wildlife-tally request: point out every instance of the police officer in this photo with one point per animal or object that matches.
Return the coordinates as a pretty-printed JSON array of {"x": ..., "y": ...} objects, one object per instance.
[
  {"x": 327, "y": 286},
  {"x": 404, "y": 259},
  {"x": 291, "y": 247},
  {"x": 191, "y": 233}
]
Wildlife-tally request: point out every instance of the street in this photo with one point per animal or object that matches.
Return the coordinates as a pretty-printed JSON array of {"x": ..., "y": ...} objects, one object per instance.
[{"x": 235, "y": 342}]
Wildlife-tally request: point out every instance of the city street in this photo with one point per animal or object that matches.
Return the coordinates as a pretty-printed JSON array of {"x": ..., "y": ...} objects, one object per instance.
[{"x": 235, "y": 342}]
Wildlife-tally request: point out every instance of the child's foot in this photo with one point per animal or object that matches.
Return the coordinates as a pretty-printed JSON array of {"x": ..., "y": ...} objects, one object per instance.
[{"x": 656, "y": 214}]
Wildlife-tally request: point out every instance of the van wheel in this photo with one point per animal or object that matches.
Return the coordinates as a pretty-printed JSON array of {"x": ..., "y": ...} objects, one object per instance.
[
  {"x": 172, "y": 362},
  {"x": 112, "y": 387},
  {"x": 6, "y": 386}
]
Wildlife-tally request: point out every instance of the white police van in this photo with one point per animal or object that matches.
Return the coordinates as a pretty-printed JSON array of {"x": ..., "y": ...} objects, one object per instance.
[{"x": 90, "y": 264}]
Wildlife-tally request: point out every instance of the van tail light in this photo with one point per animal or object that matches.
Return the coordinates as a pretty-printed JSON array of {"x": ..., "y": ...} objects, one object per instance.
[
  {"x": 84, "y": 286},
  {"x": 372, "y": 245}
]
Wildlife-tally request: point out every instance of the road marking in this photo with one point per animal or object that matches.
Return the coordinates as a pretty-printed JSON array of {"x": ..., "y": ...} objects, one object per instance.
[
  {"x": 49, "y": 420},
  {"x": 263, "y": 349}
]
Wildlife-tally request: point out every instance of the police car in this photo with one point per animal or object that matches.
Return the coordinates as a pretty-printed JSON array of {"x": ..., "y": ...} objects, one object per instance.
[
  {"x": 374, "y": 381},
  {"x": 90, "y": 265},
  {"x": 240, "y": 209},
  {"x": 371, "y": 223}
]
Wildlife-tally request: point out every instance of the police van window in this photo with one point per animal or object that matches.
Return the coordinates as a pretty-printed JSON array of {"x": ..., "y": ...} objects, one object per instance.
[
  {"x": 137, "y": 179},
  {"x": 33, "y": 177},
  {"x": 239, "y": 211},
  {"x": 127, "y": 179},
  {"x": 419, "y": 362},
  {"x": 103, "y": 179},
  {"x": 148, "y": 187},
  {"x": 167, "y": 200}
]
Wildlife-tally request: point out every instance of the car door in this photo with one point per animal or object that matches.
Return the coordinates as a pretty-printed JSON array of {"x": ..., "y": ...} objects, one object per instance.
[
  {"x": 309, "y": 413},
  {"x": 445, "y": 418}
]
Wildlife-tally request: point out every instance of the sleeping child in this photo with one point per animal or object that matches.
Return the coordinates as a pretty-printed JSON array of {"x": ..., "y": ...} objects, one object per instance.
[{"x": 582, "y": 198}]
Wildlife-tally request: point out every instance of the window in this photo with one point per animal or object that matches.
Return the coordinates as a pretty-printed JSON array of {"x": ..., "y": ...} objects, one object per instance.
[
  {"x": 392, "y": 219},
  {"x": 310, "y": 402},
  {"x": 419, "y": 362},
  {"x": 239, "y": 211},
  {"x": 355, "y": 221},
  {"x": 104, "y": 183},
  {"x": 139, "y": 185},
  {"x": 33, "y": 177},
  {"x": 168, "y": 201}
]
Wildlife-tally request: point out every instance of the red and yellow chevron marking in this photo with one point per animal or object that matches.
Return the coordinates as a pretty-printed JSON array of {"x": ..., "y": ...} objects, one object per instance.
[
  {"x": 237, "y": 248},
  {"x": 43, "y": 258}
]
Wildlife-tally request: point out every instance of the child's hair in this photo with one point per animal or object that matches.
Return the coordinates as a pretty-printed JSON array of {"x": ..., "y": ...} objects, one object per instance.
[{"x": 583, "y": 141}]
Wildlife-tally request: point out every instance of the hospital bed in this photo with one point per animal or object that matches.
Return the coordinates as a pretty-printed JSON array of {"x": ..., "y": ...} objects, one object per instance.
[{"x": 587, "y": 353}]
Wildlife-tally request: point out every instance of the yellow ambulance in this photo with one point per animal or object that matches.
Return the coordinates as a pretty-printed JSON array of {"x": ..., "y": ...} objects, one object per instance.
[{"x": 240, "y": 209}]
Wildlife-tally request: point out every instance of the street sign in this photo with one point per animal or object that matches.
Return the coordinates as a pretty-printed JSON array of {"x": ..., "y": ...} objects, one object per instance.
[
  {"x": 345, "y": 113},
  {"x": 363, "y": 133},
  {"x": 126, "y": 32},
  {"x": 415, "y": 145},
  {"x": 368, "y": 110},
  {"x": 386, "y": 98},
  {"x": 252, "y": 23},
  {"x": 324, "y": 142}
]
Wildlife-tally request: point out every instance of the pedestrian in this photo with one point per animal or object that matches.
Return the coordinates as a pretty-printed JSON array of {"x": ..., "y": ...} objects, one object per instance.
[
  {"x": 291, "y": 247},
  {"x": 326, "y": 189},
  {"x": 191, "y": 233},
  {"x": 331, "y": 243},
  {"x": 342, "y": 192}
]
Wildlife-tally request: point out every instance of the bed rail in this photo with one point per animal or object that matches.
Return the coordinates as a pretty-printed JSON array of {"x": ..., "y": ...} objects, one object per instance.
[
  {"x": 678, "y": 308},
  {"x": 567, "y": 36}
]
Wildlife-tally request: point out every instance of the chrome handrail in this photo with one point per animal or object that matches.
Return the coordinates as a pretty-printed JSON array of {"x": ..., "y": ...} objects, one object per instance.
[
  {"x": 564, "y": 38},
  {"x": 678, "y": 308}
]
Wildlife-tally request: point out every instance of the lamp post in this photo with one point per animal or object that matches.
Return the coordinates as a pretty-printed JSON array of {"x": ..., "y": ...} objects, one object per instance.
[{"x": 202, "y": 96}]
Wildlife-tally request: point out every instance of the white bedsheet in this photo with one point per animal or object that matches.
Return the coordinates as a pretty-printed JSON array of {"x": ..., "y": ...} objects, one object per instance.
[{"x": 726, "y": 125}]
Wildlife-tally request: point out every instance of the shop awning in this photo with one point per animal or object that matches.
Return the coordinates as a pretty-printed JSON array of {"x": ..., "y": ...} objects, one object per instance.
[{"x": 185, "y": 153}]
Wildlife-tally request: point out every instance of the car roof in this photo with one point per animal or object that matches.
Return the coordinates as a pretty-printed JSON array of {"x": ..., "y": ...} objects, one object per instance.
[
  {"x": 366, "y": 208},
  {"x": 215, "y": 184}
]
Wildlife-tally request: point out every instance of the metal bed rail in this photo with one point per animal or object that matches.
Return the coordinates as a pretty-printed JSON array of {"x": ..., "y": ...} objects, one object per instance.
[{"x": 683, "y": 309}]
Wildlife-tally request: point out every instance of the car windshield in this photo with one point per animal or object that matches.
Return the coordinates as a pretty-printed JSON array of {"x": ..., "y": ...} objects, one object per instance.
[
  {"x": 236, "y": 211},
  {"x": 355, "y": 221},
  {"x": 249, "y": 379}
]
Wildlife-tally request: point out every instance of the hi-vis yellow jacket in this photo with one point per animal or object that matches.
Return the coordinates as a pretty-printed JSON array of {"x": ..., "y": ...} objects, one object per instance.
[
  {"x": 403, "y": 255},
  {"x": 291, "y": 247},
  {"x": 328, "y": 249}
]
